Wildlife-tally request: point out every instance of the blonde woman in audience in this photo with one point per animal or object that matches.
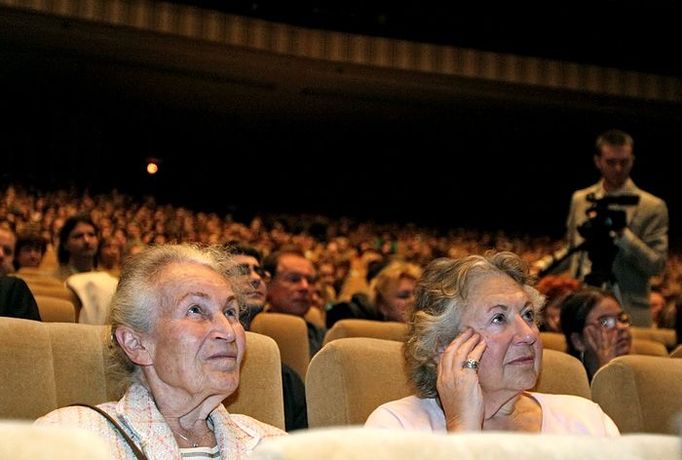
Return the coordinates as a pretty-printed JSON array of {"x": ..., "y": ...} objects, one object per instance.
[
  {"x": 473, "y": 351},
  {"x": 392, "y": 290}
]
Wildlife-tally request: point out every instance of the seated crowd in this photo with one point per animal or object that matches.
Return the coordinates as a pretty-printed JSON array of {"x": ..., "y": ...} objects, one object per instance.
[{"x": 473, "y": 345}]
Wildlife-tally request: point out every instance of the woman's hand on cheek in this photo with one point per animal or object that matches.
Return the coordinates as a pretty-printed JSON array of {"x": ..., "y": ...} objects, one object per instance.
[
  {"x": 458, "y": 387},
  {"x": 603, "y": 343}
]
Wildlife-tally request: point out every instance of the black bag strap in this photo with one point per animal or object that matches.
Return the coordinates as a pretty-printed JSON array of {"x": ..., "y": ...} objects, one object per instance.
[{"x": 136, "y": 450}]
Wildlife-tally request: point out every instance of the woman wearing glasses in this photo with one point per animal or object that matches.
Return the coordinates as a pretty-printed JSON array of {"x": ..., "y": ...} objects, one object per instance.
[{"x": 596, "y": 327}]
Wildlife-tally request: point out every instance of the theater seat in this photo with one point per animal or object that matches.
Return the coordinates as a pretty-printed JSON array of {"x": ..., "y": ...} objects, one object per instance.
[
  {"x": 353, "y": 443},
  {"x": 388, "y": 330},
  {"x": 44, "y": 366},
  {"x": 23, "y": 441},
  {"x": 350, "y": 377},
  {"x": 642, "y": 394}
]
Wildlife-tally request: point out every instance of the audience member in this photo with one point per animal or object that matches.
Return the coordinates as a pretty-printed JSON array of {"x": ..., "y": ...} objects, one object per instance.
[
  {"x": 29, "y": 252},
  {"x": 250, "y": 281},
  {"x": 289, "y": 291},
  {"x": 596, "y": 327},
  {"x": 110, "y": 255},
  {"x": 16, "y": 299},
  {"x": 176, "y": 335},
  {"x": 392, "y": 290},
  {"x": 78, "y": 243},
  {"x": 473, "y": 350},
  {"x": 555, "y": 288},
  {"x": 8, "y": 241}
]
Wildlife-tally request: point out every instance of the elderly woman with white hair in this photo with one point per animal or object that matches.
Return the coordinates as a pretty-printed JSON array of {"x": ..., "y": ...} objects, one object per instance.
[
  {"x": 176, "y": 335},
  {"x": 473, "y": 352}
]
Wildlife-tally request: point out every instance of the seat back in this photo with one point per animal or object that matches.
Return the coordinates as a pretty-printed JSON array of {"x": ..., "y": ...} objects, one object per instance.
[
  {"x": 350, "y": 377},
  {"x": 667, "y": 337},
  {"x": 260, "y": 382},
  {"x": 640, "y": 393},
  {"x": 291, "y": 335},
  {"x": 49, "y": 365},
  {"x": 562, "y": 374},
  {"x": 316, "y": 317},
  {"x": 387, "y": 330},
  {"x": 44, "y": 366},
  {"x": 553, "y": 341},
  {"x": 355, "y": 443},
  {"x": 54, "y": 309},
  {"x": 648, "y": 347},
  {"x": 24, "y": 441}
]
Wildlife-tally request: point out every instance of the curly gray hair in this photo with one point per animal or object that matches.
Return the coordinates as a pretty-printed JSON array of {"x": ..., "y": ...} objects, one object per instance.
[{"x": 441, "y": 298}]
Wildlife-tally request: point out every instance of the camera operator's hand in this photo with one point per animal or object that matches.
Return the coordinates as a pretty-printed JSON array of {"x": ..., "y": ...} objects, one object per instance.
[{"x": 603, "y": 342}]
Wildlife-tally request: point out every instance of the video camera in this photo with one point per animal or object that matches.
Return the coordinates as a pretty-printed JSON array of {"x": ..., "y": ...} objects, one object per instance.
[
  {"x": 598, "y": 232},
  {"x": 603, "y": 219}
]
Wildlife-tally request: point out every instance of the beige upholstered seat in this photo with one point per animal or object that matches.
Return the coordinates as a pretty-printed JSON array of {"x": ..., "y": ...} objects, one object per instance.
[
  {"x": 388, "y": 330},
  {"x": 666, "y": 336},
  {"x": 54, "y": 309},
  {"x": 553, "y": 341},
  {"x": 291, "y": 334},
  {"x": 23, "y": 441},
  {"x": 316, "y": 317},
  {"x": 44, "y": 366},
  {"x": 354, "y": 443},
  {"x": 648, "y": 347},
  {"x": 640, "y": 393},
  {"x": 640, "y": 346},
  {"x": 350, "y": 377}
]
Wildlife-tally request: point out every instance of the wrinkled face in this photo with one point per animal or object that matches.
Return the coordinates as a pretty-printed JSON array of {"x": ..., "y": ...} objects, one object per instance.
[
  {"x": 290, "y": 289},
  {"x": 397, "y": 299},
  {"x": 248, "y": 277},
  {"x": 7, "y": 243},
  {"x": 82, "y": 241},
  {"x": 606, "y": 313},
  {"x": 501, "y": 311},
  {"x": 614, "y": 163},
  {"x": 197, "y": 343}
]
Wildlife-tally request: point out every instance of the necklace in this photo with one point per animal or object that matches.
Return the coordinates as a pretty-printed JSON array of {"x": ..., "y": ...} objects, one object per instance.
[{"x": 193, "y": 443}]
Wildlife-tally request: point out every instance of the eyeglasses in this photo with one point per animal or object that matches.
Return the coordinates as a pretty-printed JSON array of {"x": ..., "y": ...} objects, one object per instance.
[
  {"x": 246, "y": 269},
  {"x": 609, "y": 322}
]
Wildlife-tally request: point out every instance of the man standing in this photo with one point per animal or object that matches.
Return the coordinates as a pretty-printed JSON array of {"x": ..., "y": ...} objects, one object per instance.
[{"x": 638, "y": 244}]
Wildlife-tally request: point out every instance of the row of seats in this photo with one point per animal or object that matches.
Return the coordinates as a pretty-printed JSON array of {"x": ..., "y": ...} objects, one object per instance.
[
  {"x": 50, "y": 365},
  {"x": 21, "y": 441}
]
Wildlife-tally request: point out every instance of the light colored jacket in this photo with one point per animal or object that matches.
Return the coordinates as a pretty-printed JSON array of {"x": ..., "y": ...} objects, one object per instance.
[
  {"x": 137, "y": 414},
  {"x": 642, "y": 249}
]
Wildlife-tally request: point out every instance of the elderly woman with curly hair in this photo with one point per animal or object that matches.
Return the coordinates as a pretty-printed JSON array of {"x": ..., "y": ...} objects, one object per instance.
[{"x": 473, "y": 352}]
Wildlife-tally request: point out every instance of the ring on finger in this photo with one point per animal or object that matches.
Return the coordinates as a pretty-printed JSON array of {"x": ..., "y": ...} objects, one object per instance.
[{"x": 471, "y": 364}]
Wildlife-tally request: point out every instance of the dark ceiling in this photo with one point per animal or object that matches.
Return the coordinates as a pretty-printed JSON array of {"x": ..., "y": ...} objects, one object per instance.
[{"x": 633, "y": 35}]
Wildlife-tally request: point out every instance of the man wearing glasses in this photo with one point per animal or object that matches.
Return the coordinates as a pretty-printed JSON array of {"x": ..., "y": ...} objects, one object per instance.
[{"x": 252, "y": 283}]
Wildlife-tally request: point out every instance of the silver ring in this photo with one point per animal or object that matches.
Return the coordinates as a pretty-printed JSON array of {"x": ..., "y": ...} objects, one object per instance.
[{"x": 470, "y": 364}]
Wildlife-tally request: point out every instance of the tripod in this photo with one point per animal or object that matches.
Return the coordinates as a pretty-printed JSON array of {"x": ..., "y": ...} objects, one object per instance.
[{"x": 601, "y": 252}]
